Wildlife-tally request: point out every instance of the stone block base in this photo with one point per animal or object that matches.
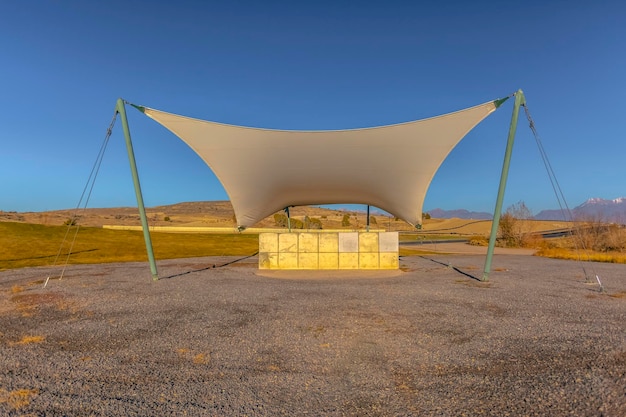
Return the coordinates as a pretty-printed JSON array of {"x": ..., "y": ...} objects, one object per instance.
[{"x": 333, "y": 250}]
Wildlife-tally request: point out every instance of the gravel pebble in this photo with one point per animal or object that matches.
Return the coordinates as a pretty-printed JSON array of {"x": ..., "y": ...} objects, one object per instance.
[{"x": 213, "y": 340}]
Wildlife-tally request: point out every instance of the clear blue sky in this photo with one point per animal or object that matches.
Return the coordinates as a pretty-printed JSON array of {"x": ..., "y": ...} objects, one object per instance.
[{"x": 308, "y": 65}]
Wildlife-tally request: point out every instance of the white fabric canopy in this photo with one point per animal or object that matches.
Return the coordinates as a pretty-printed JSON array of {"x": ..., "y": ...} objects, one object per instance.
[{"x": 265, "y": 170}]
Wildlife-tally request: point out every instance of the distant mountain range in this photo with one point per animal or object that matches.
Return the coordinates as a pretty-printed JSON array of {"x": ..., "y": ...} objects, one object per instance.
[
  {"x": 613, "y": 211},
  {"x": 594, "y": 209},
  {"x": 459, "y": 214}
]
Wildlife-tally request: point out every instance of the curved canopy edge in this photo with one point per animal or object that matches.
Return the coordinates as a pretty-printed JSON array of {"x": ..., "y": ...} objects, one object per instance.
[{"x": 266, "y": 170}]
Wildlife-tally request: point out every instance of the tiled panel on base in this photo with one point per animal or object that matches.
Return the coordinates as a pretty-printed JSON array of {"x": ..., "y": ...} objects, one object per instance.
[
  {"x": 287, "y": 242},
  {"x": 368, "y": 260},
  {"x": 389, "y": 260},
  {"x": 308, "y": 260},
  {"x": 329, "y": 260},
  {"x": 287, "y": 260},
  {"x": 349, "y": 242},
  {"x": 329, "y": 242},
  {"x": 308, "y": 243},
  {"x": 348, "y": 260}
]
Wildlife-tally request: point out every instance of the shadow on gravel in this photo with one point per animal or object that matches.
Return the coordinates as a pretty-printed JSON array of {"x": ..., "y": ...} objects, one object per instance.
[
  {"x": 213, "y": 266},
  {"x": 49, "y": 256},
  {"x": 453, "y": 267}
]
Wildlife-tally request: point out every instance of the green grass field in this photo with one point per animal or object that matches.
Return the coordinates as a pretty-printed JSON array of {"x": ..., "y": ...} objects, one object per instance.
[{"x": 25, "y": 245}]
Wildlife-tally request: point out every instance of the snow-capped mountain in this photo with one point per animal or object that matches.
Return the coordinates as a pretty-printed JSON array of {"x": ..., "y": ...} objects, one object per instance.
[{"x": 597, "y": 209}]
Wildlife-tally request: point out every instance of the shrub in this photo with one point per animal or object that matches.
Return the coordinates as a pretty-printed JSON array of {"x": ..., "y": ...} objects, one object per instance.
[
  {"x": 280, "y": 220},
  {"x": 345, "y": 222},
  {"x": 316, "y": 224},
  {"x": 478, "y": 241},
  {"x": 310, "y": 223},
  {"x": 508, "y": 230},
  {"x": 602, "y": 237},
  {"x": 513, "y": 227}
]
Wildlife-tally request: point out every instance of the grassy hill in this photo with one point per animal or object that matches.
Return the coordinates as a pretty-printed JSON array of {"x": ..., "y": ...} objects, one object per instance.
[{"x": 221, "y": 214}]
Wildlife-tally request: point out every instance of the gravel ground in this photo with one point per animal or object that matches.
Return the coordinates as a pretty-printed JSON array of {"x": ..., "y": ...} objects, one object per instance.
[{"x": 537, "y": 340}]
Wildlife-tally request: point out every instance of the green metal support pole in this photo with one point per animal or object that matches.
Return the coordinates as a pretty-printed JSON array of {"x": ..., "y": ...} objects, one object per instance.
[
  {"x": 367, "y": 228},
  {"x": 121, "y": 109},
  {"x": 519, "y": 101},
  {"x": 288, "y": 218}
]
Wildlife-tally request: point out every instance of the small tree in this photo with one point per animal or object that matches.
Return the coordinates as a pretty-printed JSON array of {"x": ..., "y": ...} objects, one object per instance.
[{"x": 345, "y": 222}]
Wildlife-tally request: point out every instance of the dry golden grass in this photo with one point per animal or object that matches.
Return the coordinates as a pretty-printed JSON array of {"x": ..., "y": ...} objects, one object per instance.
[
  {"x": 197, "y": 358},
  {"x": 17, "y": 399},
  {"x": 601, "y": 242},
  {"x": 468, "y": 227},
  {"x": 29, "y": 340},
  {"x": 201, "y": 359},
  {"x": 16, "y": 289},
  {"x": 621, "y": 294},
  {"x": 566, "y": 253},
  {"x": 29, "y": 304}
]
